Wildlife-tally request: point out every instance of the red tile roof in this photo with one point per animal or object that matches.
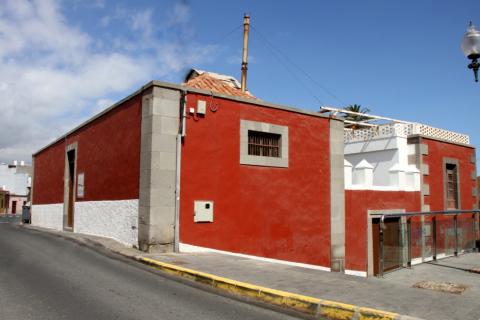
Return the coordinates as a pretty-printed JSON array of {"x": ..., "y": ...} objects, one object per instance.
[{"x": 215, "y": 82}]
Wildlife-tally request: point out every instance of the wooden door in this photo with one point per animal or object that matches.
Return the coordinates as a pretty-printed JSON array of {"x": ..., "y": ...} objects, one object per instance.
[
  {"x": 391, "y": 244},
  {"x": 14, "y": 207}
]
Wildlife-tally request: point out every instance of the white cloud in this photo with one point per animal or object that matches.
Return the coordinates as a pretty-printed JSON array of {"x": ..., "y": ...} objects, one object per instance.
[
  {"x": 142, "y": 21},
  {"x": 54, "y": 75},
  {"x": 180, "y": 15}
]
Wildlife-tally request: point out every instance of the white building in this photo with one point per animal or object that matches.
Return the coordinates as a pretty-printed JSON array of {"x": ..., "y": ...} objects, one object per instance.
[{"x": 16, "y": 180}]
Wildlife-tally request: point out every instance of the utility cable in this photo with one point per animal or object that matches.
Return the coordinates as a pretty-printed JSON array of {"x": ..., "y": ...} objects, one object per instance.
[
  {"x": 229, "y": 33},
  {"x": 297, "y": 66},
  {"x": 292, "y": 73}
]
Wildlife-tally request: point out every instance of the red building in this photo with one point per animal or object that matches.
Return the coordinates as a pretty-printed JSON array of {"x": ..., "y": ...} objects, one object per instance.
[
  {"x": 181, "y": 167},
  {"x": 251, "y": 177},
  {"x": 394, "y": 167}
]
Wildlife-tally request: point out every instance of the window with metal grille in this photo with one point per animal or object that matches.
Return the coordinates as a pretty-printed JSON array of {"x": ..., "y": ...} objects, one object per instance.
[
  {"x": 452, "y": 186},
  {"x": 264, "y": 144}
]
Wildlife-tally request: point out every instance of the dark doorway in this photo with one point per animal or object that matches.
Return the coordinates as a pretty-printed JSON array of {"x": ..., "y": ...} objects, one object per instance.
[
  {"x": 391, "y": 244},
  {"x": 14, "y": 207},
  {"x": 71, "y": 184}
]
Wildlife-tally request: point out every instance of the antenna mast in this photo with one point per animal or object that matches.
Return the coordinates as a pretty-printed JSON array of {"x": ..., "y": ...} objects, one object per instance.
[{"x": 246, "y": 28}]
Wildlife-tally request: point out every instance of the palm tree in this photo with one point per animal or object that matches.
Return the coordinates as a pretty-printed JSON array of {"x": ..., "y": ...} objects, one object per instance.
[{"x": 358, "y": 109}]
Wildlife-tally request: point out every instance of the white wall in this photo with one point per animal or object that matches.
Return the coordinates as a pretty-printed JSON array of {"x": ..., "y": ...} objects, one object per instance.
[
  {"x": 381, "y": 161},
  {"x": 112, "y": 219},
  {"x": 48, "y": 215},
  {"x": 382, "y": 153},
  {"x": 14, "y": 182}
]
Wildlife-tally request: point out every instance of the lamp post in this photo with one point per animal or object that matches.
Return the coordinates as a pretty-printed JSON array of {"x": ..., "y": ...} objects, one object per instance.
[{"x": 471, "y": 48}]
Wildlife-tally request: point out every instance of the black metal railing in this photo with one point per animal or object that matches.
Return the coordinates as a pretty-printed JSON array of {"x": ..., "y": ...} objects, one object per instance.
[{"x": 408, "y": 238}]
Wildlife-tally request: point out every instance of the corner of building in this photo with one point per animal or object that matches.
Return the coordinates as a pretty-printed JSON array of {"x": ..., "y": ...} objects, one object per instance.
[
  {"x": 337, "y": 196},
  {"x": 158, "y": 153}
]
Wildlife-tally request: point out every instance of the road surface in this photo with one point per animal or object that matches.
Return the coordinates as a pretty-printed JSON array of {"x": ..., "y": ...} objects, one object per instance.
[{"x": 46, "y": 277}]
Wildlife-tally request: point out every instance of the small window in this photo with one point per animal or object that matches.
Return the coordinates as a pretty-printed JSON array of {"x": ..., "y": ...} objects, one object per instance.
[
  {"x": 452, "y": 186},
  {"x": 264, "y": 144}
]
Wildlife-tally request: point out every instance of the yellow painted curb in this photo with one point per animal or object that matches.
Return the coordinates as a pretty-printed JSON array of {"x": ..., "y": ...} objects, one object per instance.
[{"x": 305, "y": 304}]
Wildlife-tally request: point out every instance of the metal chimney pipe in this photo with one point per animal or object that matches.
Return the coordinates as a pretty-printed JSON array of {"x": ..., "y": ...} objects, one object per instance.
[{"x": 246, "y": 28}]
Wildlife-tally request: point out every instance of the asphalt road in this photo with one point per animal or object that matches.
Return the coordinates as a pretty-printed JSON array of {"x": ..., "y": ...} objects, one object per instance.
[{"x": 46, "y": 277}]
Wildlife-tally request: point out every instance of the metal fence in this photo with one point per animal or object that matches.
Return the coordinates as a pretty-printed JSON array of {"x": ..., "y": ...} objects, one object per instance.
[{"x": 406, "y": 239}]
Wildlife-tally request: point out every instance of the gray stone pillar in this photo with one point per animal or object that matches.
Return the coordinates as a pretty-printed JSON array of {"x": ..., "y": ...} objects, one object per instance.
[
  {"x": 337, "y": 196},
  {"x": 160, "y": 121}
]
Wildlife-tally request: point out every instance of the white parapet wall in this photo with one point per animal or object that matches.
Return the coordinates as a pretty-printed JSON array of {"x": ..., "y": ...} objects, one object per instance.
[
  {"x": 404, "y": 129},
  {"x": 48, "y": 215},
  {"x": 112, "y": 219},
  {"x": 361, "y": 177}
]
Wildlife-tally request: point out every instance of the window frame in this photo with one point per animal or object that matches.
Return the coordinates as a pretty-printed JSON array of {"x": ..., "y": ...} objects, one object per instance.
[
  {"x": 265, "y": 161},
  {"x": 453, "y": 162}
]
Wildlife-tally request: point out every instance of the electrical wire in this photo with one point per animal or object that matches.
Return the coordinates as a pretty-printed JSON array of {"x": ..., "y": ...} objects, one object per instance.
[
  {"x": 285, "y": 57},
  {"x": 290, "y": 71},
  {"x": 226, "y": 35}
]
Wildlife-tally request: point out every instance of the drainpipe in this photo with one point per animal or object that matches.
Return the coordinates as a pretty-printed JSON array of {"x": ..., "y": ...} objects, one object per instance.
[
  {"x": 381, "y": 248},
  {"x": 181, "y": 133}
]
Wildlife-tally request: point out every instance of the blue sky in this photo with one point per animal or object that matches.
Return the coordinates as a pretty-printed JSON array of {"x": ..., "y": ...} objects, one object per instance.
[{"x": 63, "y": 61}]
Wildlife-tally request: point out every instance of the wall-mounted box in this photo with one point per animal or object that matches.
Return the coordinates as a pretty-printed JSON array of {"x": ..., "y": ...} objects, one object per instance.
[
  {"x": 201, "y": 107},
  {"x": 203, "y": 211}
]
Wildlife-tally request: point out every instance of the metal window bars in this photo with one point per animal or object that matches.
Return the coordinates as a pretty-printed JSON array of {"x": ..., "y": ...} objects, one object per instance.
[
  {"x": 424, "y": 236},
  {"x": 264, "y": 144}
]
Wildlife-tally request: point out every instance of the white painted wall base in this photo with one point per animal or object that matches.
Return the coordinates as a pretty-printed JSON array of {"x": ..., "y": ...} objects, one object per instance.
[
  {"x": 416, "y": 261},
  {"x": 356, "y": 273},
  {"x": 441, "y": 256},
  {"x": 111, "y": 219},
  {"x": 444, "y": 255},
  {"x": 188, "y": 248},
  {"x": 48, "y": 215}
]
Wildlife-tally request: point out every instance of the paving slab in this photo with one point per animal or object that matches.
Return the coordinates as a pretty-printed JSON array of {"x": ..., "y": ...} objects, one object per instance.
[{"x": 394, "y": 292}]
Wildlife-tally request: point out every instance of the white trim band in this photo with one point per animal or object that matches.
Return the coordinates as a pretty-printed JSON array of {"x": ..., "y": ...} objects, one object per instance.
[
  {"x": 188, "y": 248},
  {"x": 356, "y": 273}
]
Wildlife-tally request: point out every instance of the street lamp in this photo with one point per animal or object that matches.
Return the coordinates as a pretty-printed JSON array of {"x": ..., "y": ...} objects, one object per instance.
[{"x": 471, "y": 48}]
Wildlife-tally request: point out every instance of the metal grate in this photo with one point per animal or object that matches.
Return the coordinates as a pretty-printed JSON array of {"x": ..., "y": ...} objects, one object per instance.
[
  {"x": 452, "y": 193},
  {"x": 403, "y": 130},
  {"x": 264, "y": 144}
]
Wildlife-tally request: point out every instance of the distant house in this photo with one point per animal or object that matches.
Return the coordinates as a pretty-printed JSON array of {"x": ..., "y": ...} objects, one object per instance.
[
  {"x": 3, "y": 201},
  {"x": 203, "y": 166},
  {"x": 15, "y": 180}
]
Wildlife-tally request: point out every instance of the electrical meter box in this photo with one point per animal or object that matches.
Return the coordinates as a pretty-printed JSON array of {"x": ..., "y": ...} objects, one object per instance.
[
  {"x": 203, "y": 211},
  {"x": 201, "y": 107}
]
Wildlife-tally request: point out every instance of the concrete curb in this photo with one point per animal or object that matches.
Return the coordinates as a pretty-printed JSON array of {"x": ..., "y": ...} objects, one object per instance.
[
  {"x": 475, "y": 270},
  {"x": 317, "y": 308}
]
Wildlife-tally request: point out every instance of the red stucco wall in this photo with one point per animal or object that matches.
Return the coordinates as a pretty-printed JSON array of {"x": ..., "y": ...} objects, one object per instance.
[
  {"x": 281, "y": 213},
  {"x": 108, "y": 154},
  {"x": 49, "y": 167},
  {"x": 357, "y": 204},
  {"x": 438, "y": 150}
]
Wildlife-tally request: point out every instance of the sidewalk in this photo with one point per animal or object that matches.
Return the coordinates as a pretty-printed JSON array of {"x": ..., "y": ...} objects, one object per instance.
[{"x": 394, "y": 293}]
